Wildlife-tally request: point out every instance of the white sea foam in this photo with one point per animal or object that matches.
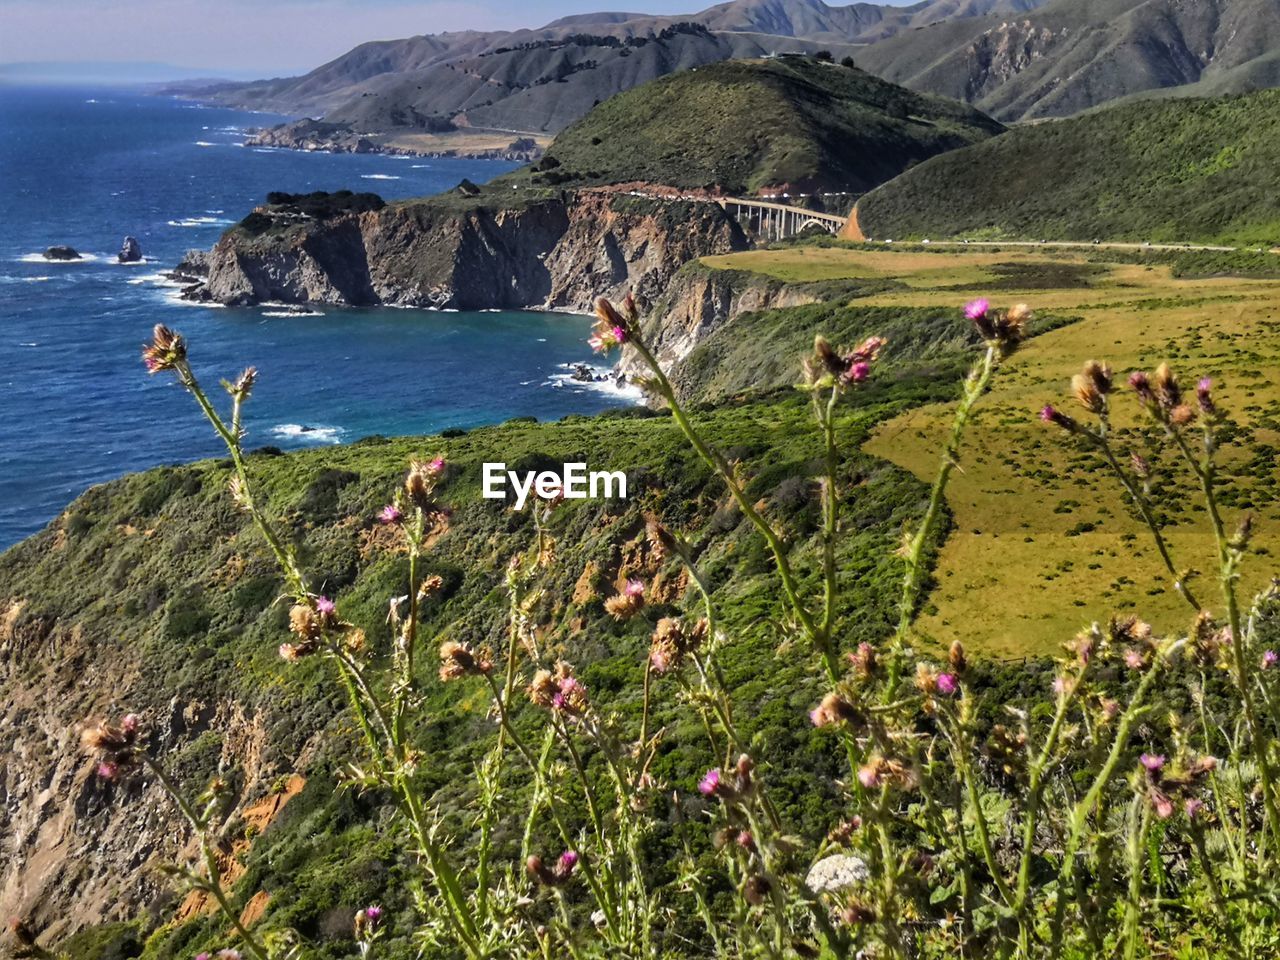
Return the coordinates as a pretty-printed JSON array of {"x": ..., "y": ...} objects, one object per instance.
[
  {"x": 41, "y": 258},
  {"x": 297, "y": 431},
  {"x": 205, "y": 143},
  {"x": 198, "y": 222},
  {"x": 378, "y": 176},
  {"x": 292, "y": 313},
  {"x": 422, "y": 166},
  {"x": 624, "y": 391}
]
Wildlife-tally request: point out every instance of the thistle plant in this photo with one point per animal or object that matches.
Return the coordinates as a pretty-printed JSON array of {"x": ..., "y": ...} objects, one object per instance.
[{"x": 1123, "y": 802}]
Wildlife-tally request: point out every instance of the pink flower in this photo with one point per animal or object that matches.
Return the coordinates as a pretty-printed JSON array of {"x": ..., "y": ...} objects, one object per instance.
[
  {"x": 1269, "y": 659},
  {"x": 1193, "y": 807},
  {"x": 1204, "y": 396},
  {"x": 977, "y": 309},
  {"x": 1133, "y": 659},
  {"x": 710, "y": 782},
  {"x": 1163, "y": 805},
  {"x": 660, "y": 659},
  {"x": 107, "y": 771},
  {"x": 818, "y": 716},
  {"x": 129, "y": 723},
  {"x": 373, "y": 915},
  {"x": 947, "y": 684},
  {"x": 634, "y": 588},
  {"x": 436, "y": 465},
  {"x": 568, "y": 860},
  {"x": 1141, "y": 384},
  {"x": 389, "y": 514},
  {"x": 1152, "y": 761},
  {"x": 325, "y": 606},
  {"x": 859, "y": 371},
  {"x": 868, "y": 776}
]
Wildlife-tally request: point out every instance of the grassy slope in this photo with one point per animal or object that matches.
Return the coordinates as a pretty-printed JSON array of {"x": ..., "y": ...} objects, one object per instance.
[
  {"x": 168, "y": 584},
  {"x": 745, "y": 125},
  {"x": 1036, "y": 523},
  {"x": 1177, "y": 170}
]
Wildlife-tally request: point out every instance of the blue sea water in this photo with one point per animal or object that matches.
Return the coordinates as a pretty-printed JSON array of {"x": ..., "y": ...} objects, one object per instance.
[{"x": 87, "y": 167}]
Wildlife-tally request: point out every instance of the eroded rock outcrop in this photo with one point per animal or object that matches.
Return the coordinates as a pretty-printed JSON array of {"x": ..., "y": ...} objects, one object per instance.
[{"x": 471, "y": 254}]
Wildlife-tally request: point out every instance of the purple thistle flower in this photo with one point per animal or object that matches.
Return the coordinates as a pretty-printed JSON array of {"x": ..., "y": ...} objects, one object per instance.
[
  {"x": 1204, "y": 394},
  {"x": 977, "y": 309},
  {"x": 1154, "y": 762},
  {"x": 325, "y": 606},
  {"x": 436, "y": 465},
  {"x": 1193, "y": 807},
  {"x": 947, "y": 685},
  {"x": 373, "y": 915},
  {"x": 859, "y": 371},
  {"x": 634, "y": 588},
  {"x": 710, "y": 782},
  {"x": 389, "y": 514},
  {"x": 1269, "y": 659},
  {"x": 1133, "y": 660},
  {"x": 568, "y": 860}
]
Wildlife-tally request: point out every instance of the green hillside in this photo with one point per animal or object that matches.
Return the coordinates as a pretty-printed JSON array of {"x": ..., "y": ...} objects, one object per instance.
[
  {"x": 792, "y": 122},
  {"x": 1171, "y": 171}
]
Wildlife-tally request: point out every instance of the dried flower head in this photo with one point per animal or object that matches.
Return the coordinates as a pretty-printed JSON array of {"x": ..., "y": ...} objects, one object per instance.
[
  {"x": 672, "y": 641},
  {"x": 756, "y": 889},
  {"x": 114, "y": 745},
  {"x": 834, "y": 709},
  {"x": 1092, "y": 385},
  {"x": 1168, "y": 393},
  {"x": 459, "y": 660},
  {"x": 166, "y": 350},
  {"x": 421, "y": 481},
  {"x": 627, "y": 602}
]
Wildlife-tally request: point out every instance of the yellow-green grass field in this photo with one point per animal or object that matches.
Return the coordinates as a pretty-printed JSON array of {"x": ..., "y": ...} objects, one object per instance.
[{"x": 1043, "y": 541}]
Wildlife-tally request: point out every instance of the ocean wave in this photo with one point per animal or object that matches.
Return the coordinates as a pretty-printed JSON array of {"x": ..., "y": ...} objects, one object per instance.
[
  {"x": 41, "y": 258},
  {"x": 298, "y": 431},
  {"x": 378, "y": 176},
  {"x": 608, "y": 387},
  {"x": 205, "y": 143},
  {"x": 133, "y": 263},
  {"x": 292, "y": 313},
  {"x": 421, "y": 166},
  {"x": 198, "y": 222}
]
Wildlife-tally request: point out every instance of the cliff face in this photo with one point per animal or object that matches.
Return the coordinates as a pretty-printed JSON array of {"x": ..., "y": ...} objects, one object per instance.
[
  {"x": 700, "y": 300},
  {"x": 548, "y": 254}
]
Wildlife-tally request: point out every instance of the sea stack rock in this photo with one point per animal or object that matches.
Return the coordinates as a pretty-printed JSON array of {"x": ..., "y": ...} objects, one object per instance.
[
  {"x": 130, "y": 251},
  {"x": 62, "y": 252}
]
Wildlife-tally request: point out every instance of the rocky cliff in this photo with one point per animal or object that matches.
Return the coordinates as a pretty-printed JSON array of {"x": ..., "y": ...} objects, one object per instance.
[
  {"x": 700, "y": 300},
  {"x": 554, "y": 252}
]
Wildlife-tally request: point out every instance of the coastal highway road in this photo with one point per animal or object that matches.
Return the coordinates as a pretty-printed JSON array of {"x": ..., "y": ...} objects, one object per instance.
[{"x": 1074, "y": 244}]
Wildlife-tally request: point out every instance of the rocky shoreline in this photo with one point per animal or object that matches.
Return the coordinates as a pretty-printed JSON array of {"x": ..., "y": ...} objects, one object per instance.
[{"x": 317, "y": 136}]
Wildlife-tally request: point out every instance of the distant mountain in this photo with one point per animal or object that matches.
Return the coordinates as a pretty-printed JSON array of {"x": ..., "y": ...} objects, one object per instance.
[
  {"x": 794, "y": 123},
  {"x": 1070, "y": 55},
  {"x": 540, "y": 80},
  {"x": 108, "y": 72},
  {"x": 1173, "y": 171},
  {"x": 1013, "y": 59}
]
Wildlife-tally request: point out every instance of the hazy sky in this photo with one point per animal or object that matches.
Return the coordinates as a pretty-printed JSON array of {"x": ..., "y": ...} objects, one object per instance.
[{"x": 262, "y": 36}]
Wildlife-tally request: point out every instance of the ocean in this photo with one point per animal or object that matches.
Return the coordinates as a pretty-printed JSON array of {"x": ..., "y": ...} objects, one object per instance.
[{"x": 88, "y": 167}]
